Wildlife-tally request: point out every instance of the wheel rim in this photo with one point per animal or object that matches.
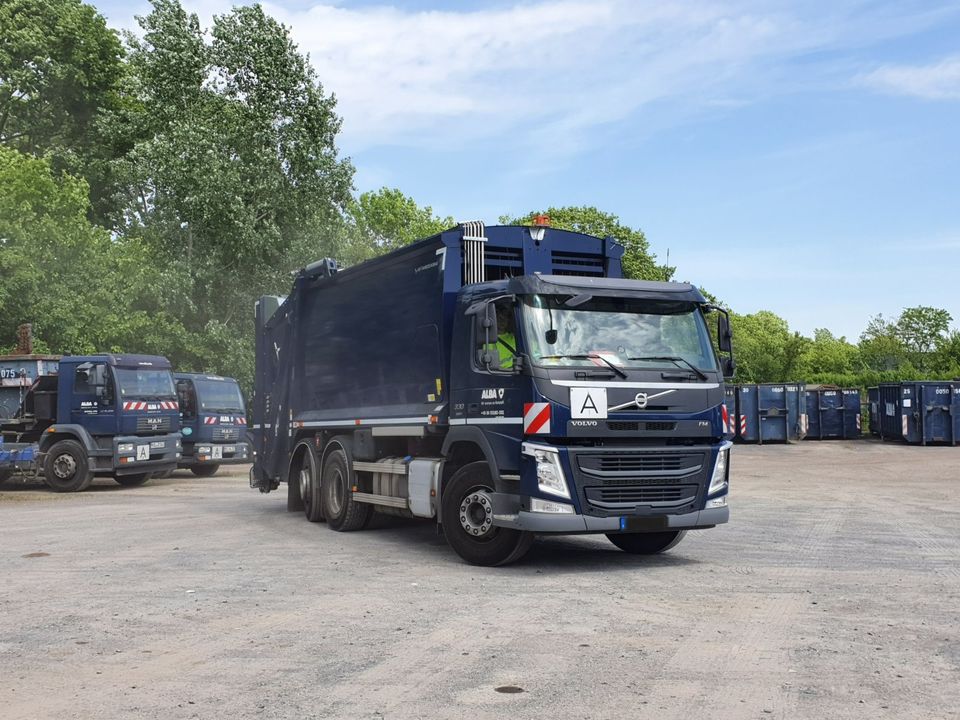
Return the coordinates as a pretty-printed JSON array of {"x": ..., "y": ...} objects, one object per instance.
[
  {"x": 305, "y": 485},
  {"x": 476, "y": 513},
  {"x": 336, "y": 491},
  {"x": 64, "y": 466}
]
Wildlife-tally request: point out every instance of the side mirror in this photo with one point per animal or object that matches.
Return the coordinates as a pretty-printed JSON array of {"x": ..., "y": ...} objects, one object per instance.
[
  {"x": 487, "y": 335},
  {"x": 103, "y": 397},
  {"x": 729, "y": 367},
  {"x": 724, "y": 334}
]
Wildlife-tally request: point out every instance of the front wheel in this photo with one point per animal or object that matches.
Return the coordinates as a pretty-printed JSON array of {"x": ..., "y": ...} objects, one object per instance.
[
  {"x": 204, "y": 470},
  {"x": 646, "y": 543},
  {"x": 466, "y": 511},
  {"x": 132, "y": 480},
  {"x": 66, "y": 468}
]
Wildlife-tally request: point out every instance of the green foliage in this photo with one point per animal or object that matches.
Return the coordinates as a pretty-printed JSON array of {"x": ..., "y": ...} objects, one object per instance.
[
  {"x": 638, "y": 262},
  {"x": 385, "y": 220},
  {"x": 764, "y": 347},
  {"x": 60, "y": 68}
]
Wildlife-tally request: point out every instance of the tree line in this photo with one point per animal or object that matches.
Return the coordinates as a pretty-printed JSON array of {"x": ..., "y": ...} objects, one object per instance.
[{"x": 152, "y": 186}]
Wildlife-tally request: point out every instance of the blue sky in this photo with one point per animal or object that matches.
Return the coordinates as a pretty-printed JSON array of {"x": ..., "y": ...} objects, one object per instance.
[{"x": 799, "y": 157}]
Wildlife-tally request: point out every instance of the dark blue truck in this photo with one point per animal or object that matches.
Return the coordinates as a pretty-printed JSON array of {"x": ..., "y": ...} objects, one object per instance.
[
  {"x": 213, "y": 422},
  {"x": 113, "y": 415},
  {"x": 505, "y": 381}
]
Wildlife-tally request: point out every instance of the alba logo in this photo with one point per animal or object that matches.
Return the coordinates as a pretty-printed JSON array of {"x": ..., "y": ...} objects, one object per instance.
[{"x": 492, "y": 394}]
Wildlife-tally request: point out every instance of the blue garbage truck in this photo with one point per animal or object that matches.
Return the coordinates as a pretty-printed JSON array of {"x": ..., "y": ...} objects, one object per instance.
[
  {"x": 503, "y": 381},
  {"x": 213, "y": 422},
  {"x": 99, "y": 415}
]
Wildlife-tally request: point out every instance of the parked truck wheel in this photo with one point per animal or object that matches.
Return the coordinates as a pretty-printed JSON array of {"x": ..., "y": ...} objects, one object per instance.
[
  {"x": 132, "y": 480},
  {"x": 66, "y": 468},
  {"x": 646, "y": 543},
  {"x": 306, "y": 484},
  {"x": 5, "y": 475},
  {"x": 343, "y": 513},
  {"x": 467, "y": 516},
  {"x": 204, "y": 470},
  {"x": 163, "y": 475}
]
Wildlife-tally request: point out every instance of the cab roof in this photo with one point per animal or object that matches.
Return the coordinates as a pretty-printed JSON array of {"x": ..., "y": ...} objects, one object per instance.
[
  {"x": 202, "y": 376},
  {"x": 151, "y": 362}
]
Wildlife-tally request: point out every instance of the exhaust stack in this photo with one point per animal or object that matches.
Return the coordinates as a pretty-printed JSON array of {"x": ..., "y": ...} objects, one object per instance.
[{"x": 474, "y": 240}]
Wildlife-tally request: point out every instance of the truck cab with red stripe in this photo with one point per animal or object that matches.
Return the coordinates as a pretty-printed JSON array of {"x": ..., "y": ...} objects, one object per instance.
[
  {"x": 504, "y": 381},
  {"x": 214, "y": 420}
]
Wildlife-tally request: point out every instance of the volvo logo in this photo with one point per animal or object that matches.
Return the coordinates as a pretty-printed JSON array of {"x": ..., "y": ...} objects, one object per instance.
[{"x": 641, "y": 400}]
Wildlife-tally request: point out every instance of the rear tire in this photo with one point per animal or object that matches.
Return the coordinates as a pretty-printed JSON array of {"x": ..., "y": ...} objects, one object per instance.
[
  {"x": 306, "y": 485},
  {"x": 163, "y": 475},
  {"x": 467, "y": 517},
  {"x": 647, "y": 543},
  {"x": 66, "y": 468},
  {"x": 343, "y": 513},
  {"x": 204, "y": 470},
  {"x": 132, "y": 480}
]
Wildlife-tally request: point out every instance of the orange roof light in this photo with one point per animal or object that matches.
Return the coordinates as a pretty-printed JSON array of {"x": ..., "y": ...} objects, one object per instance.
[{"x": 541, "y": 220}]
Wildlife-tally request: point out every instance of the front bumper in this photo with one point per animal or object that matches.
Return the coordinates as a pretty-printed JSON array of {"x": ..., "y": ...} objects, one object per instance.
[
  {"x": 229, "y": 453},
  {"x": 508, "y": 512},
  {"x": 152, "y": 453}
]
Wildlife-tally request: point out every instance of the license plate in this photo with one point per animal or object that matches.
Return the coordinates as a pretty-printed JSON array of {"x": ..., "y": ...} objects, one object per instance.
[
  {"x": 158, "y": 445},
  {"x": 644, "y": 524},
  {"x": 143, "y": 452},
  {"x": 217, "y": 452},
  {"x": 229, "y": 448}
]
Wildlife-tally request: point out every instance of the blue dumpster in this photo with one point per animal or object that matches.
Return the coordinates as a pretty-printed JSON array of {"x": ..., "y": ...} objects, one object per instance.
[
  {"x": 730, "y": 417},
  {"x": 834, "y": 413},
  {"x": 920, "y": 413},
  {"x": 17, "y": 373},
  {"x": 771, "y": 412},
  {"x": 873, "y": 404}
]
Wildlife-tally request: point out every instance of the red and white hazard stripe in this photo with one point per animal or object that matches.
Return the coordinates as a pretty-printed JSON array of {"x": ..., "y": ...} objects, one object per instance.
[
  {"x": 536, "y": 418},
  {"x": 725, "y": 415},
  {"x": 905, "y": 426},
  {"x": 240, "y": 420},
  {"x": 743, "y": 424},
  {"x": 169, "y": 405},
  {"x": 209, "y": 421},
  {"x": 858, "y": 421}
]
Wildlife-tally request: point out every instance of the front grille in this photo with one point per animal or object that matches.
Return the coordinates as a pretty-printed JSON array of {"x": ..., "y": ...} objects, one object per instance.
[
  {"x": 226, "y": 433},
  {"x": 619, "y": 463},
  {"x": 630, "y": 495},
  {"x": 628, "y": 426},
  {"x": 619, "y": 480},
  {"x": 150, "y": 423}
]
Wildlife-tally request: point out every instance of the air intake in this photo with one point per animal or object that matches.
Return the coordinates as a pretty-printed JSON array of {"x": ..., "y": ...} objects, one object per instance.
[{"x": 474, "y": 241}]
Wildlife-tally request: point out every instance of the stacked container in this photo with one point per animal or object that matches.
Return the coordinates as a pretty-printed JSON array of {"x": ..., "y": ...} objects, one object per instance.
[
  {"x": 17, "y": 374},
  {"x": 834, "y": 413},
  {"x": 921, "y": 413},
  {"x": 771, "y": 412}
]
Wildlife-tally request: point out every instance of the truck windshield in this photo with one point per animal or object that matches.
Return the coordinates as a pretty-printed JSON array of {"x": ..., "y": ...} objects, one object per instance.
[
  {"x": 145, "y": 384},
  {"x": 623, "y": 332},
  {"x": 219, "y": 396}
]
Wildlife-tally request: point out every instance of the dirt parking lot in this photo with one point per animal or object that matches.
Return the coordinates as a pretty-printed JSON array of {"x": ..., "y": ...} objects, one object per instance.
[{"x": 833, "y": 593}]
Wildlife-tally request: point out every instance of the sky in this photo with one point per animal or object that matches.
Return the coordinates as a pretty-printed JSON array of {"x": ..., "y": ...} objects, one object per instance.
[{"x": 799, "y": 157}]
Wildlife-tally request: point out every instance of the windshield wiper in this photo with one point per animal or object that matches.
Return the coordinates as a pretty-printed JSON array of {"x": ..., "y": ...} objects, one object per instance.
[
  {"x": 592, "y": 356},
  {"x": 674, "y": 359}
]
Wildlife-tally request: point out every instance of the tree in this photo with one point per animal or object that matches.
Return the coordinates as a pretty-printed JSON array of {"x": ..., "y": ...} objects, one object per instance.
[
  {"x": 828, "y": 355},
  {"x": 385, "y": 220},
  {"x": 638, "y": 262},
  {"x": 920, "y": 329},
  {"x": 765, "y": 349},
  {"x": 60, "y": 68},
  {"x": 233, "y": 179}
]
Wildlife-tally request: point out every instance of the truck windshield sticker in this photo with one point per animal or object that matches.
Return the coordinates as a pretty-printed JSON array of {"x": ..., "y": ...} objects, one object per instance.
[{"x": 588, "y": 403}]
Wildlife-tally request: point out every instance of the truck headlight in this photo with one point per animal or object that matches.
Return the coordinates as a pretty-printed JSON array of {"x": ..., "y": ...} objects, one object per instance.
[
  {"x": 550, "y": 477},
  {"x": 125, "y": 447},
  {"x": 718, "y": 481}
]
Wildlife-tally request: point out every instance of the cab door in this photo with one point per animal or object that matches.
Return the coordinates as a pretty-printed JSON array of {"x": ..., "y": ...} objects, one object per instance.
[
  {"x": 189, "y": 416},
  {"x": 93, "y": 400}
]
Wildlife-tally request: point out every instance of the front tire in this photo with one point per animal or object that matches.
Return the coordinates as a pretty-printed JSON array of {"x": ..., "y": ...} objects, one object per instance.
[
  {"x": 343, "y": 513},
  {"x": 66, "y": 468},
  {"x": 467, "y": 516},
  {"x": 204, "y": 470},
  {"x": 646, "y": 543},
  {"x": 132, "y": 480}
]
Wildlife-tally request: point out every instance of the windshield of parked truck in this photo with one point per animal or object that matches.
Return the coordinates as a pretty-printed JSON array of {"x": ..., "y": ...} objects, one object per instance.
[
  {"x": 623, "y": 332},
  {"x": 144, "y": 383},
  {"x": 219, "y": 396}
]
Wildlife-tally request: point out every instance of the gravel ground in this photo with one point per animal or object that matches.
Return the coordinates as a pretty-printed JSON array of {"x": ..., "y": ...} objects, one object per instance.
[{"x": 833, "y": 593}]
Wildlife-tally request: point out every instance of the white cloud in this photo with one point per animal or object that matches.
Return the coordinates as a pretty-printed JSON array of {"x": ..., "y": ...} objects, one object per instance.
[{"x": 937, "y": 81}]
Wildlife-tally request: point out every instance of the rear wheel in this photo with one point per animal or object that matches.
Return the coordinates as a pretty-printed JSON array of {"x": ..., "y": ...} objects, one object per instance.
[
  {"x": 204, "y": 470},
  {"x": 307, "y": 483},
  {"x": 132, "y": 480},
  {"x": 66, "y": 468},
  {"x": 467, "y": 516},
  {"x": 343, "y": 513},
  {"x": 646, "y": 543},
  {"x": 163, "y": 475}
]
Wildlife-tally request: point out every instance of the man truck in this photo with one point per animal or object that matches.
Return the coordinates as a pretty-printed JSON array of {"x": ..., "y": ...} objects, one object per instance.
[
  {"x": 99, "y": 415},
  {"x": 213, "y": 422},
  {"x": 505, "y": 382}
]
